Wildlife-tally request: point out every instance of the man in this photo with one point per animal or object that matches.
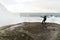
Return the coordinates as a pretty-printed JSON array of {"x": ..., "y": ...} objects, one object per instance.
[{"x": 44, "y": 19}]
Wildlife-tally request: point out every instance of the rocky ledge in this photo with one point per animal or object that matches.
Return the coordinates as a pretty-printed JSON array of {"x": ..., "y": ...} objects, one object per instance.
[{"x": 30, "y": 31}]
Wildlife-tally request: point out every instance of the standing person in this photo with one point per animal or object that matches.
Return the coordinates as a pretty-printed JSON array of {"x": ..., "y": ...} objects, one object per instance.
[{"x": 44, "y": 19}]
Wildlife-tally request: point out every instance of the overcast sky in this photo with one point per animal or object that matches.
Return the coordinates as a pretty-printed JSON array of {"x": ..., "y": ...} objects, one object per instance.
[{"x": 32, "y": 5}]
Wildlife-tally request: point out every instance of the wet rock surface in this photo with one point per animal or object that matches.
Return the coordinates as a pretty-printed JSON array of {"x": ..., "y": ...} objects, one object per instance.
[{"x": 30, "y": 31}]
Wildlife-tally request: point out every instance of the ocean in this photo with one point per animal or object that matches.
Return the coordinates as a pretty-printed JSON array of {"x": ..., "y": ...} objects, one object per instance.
[
  {"x": 39, "y": 14},
  {"x": 8, "y": 19},
  {"x": 37, "y": 17}
]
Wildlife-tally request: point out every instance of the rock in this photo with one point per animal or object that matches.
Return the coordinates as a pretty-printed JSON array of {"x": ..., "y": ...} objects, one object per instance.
[{"x": 30, "y": 31}]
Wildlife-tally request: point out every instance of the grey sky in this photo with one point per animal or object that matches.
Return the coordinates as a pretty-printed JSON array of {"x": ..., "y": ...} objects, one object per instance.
[{"x": 32, "y": 5}]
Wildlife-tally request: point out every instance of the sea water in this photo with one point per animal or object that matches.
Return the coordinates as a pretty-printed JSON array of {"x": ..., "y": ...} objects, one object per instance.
[
  {"x": 7, "y": 19},
  {"x": 37, "y": 17}
]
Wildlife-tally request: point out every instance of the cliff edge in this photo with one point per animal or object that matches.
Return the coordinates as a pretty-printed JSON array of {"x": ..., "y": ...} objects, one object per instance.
[{"x": 30, "y": 31}]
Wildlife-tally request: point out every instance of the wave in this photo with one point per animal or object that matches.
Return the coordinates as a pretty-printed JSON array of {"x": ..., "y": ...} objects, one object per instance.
[
  {"x": 51, "y": 19},
  {"x": 13, "y": 19}
]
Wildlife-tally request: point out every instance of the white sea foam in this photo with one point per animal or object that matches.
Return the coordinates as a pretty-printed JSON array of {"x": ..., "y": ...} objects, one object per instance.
[
  {"x": 13, "y": 19},
  {"x": 7, "y": 18},
  {"x": 52, "y": 19}
]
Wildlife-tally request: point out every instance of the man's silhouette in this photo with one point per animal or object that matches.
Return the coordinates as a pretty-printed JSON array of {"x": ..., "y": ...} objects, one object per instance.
[{"x": 44, "y": 19}]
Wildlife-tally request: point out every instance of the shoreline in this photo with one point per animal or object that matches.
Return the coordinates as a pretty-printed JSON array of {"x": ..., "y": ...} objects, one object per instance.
[
  {"x": 30, "y": 23},
  {"x": 27, "y": 22}
]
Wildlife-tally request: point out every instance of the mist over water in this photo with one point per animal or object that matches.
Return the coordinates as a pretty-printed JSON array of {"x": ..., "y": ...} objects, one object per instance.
[
  {"x": 52, "y": 19},
  {"x": 36, "y": 17},
  {"x": 7, "y": 18}
]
